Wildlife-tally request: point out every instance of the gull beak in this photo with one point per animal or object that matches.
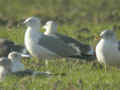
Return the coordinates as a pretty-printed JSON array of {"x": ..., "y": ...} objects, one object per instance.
[
  {"x": 97, "y": 38},
  {"x": 25, "y": 21}
]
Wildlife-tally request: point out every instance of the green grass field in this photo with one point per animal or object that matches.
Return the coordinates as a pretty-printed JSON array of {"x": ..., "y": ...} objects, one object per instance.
[{"x": 72, "y": 16}]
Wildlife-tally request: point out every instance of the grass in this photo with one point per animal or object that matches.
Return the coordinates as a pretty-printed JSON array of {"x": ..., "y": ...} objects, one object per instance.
[
  {"x": 80, "y": 19},
  {"x": 70, "y": 74}
]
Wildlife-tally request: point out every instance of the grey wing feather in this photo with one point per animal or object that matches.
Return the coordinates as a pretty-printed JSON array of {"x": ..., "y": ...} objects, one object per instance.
[
  {"x": 83, "y": 47},
  {"x": 57, "y": 46}
]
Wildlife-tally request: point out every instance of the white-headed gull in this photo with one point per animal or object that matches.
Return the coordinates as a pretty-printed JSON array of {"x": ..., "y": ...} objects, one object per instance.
[
  {"x": 108, "y": 48},
  {"x": 10, "y": 64},
  {"x": 44, "y": 46},
  {"x": 82, "y": 49}
]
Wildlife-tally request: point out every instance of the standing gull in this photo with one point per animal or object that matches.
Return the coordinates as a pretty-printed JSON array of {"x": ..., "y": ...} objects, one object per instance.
[
  {"x": 82, "y": 49},
  {"x": 108, "y": 48},
  {"x": 44, "y": 46}
]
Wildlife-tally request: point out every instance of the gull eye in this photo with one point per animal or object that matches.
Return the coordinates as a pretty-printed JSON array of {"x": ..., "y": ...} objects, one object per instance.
[
  {"x": 15, "y": 55},
  {"x": 30, "y": 20}
]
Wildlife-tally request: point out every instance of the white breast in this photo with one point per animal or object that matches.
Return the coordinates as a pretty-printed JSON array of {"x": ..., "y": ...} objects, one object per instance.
[
  {"x": 31, "y": 42},
  {"x": 107, "y": 52}
]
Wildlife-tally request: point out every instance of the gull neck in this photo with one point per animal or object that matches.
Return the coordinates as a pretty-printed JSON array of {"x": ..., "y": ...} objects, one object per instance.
[
  {"x": 37, "y": 28},
  {"x": 50, "y": 31}
]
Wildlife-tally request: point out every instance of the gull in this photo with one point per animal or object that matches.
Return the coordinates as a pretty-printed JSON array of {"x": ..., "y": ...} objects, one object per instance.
[
  {"x": 10, "y": 64},
  {"x": 82, "y": 49},
  {"x": 17, "y": 67},
  {"x": 7, "y": 46},
  {"x": 13, "y": 65},
  {"x": 44, "y": 46},
  {"x": 16, "y": 58},
  {"x": 108, "y": 48}
]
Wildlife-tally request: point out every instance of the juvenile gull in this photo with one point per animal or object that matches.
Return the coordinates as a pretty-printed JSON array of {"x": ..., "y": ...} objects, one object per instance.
[
  {"x": 108, "y": 48},
  {"x": 44, "y": 46},
  {"x": 7, "y": 46},
  {"x": 83, "y": 49}
]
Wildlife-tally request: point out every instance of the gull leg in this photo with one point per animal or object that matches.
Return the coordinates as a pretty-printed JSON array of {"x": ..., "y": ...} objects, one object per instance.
[
  {"x": 46, "y": 63},
  {"x": 105, "y": 68}
]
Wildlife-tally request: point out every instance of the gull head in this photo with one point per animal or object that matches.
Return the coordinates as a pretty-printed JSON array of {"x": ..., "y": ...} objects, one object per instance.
[
  {"x": 107, "y": 34},
  {"x": 16, "y": 64},
  {"x": 32, "y": 22},
  {"x": 14, "y": 56},
  {"x": 50, "y": 27}
]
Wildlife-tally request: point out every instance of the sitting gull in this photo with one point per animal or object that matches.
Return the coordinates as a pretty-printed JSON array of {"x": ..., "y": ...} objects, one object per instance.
[
  {"x": 15, "y": 58},
  {"x": 7, "y": 46},
  {"x": 44, "y": 46},
  {"x": 17, "y": 67},
  {"x": 108, "y": 48},
  {"x": 12, "y": 64},
  {"x": 83, "y": 49}
]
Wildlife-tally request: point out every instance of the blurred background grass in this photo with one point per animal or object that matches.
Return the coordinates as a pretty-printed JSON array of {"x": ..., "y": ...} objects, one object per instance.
[
  {"x": 64, "y": 11},
  {"x": 71, "y": 15}
]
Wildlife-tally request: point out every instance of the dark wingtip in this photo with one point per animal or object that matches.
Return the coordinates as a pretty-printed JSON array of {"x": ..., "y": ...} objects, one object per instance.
[{"x": 84, "y": 57}]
